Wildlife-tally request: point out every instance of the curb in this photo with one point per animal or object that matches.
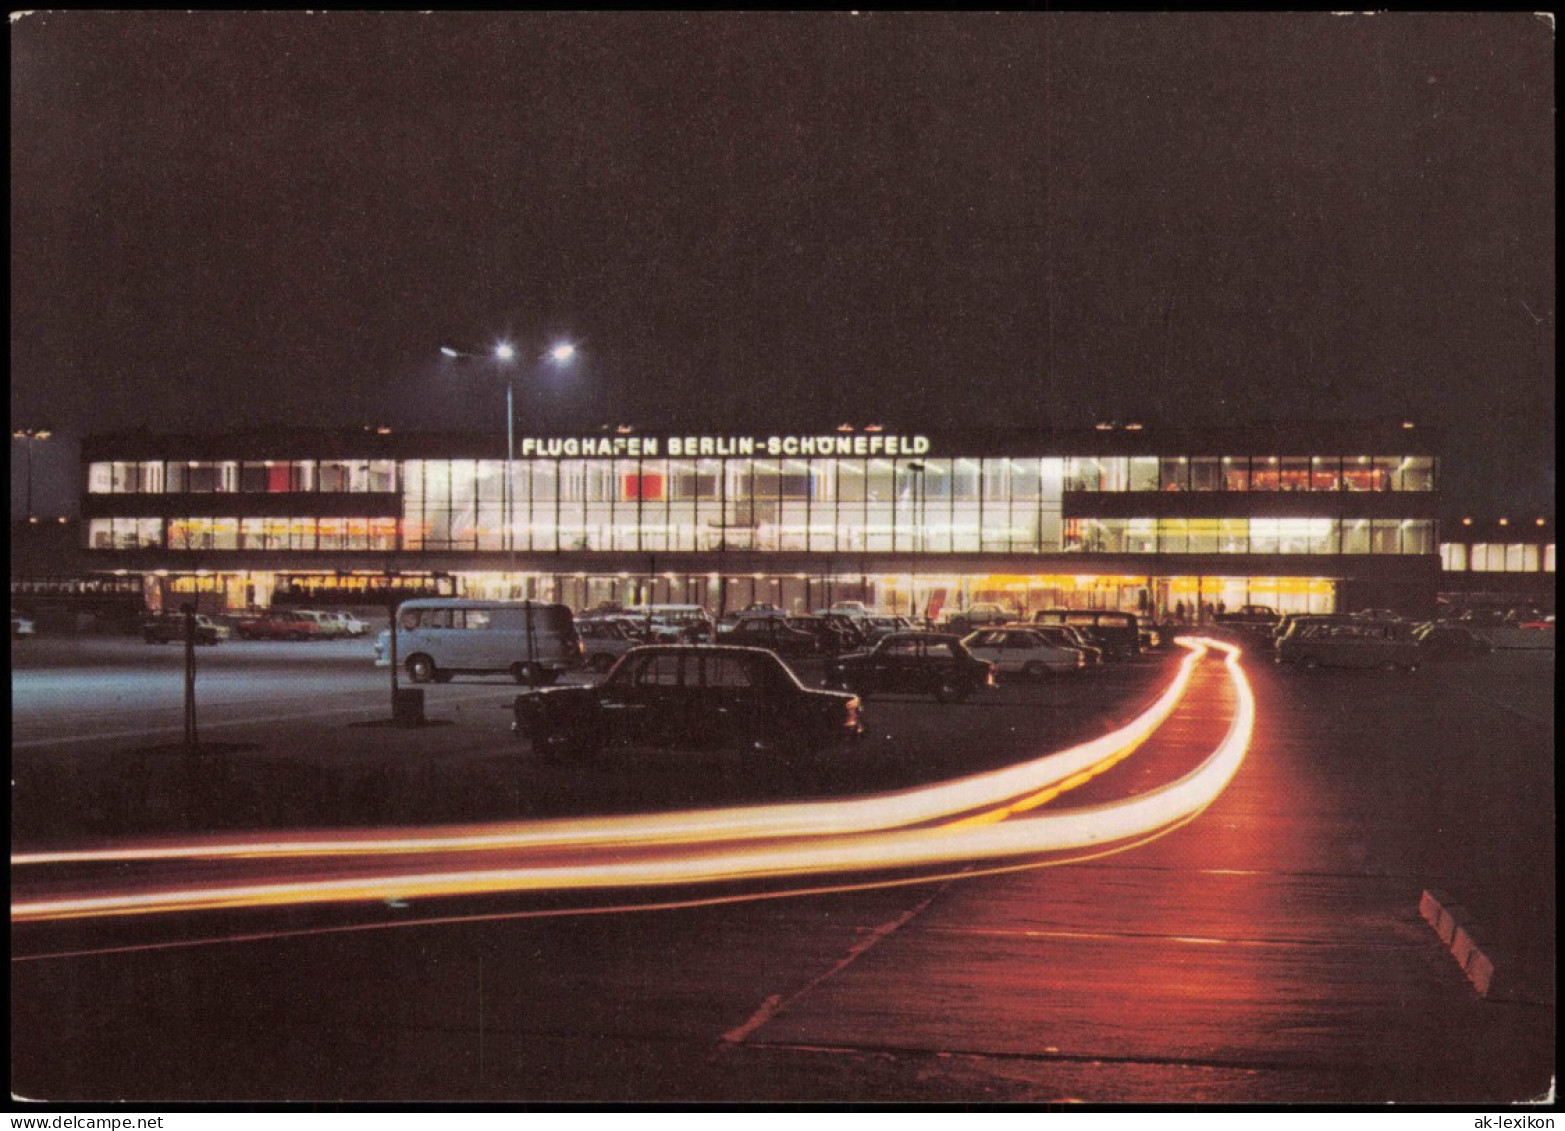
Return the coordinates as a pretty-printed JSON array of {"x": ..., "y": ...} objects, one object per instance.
[{"x": 1486, "y": 965}]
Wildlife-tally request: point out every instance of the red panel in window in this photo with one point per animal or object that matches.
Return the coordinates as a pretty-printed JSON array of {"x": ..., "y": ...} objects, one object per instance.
[
  {"x": 277, "y": 477},
  {"x": 643, "y": 487}
]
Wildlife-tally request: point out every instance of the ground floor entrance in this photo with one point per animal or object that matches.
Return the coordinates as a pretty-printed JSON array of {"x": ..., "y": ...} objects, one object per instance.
[{"x": 921, "y": 596}]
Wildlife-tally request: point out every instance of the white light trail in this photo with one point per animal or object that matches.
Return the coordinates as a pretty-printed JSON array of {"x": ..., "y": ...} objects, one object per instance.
[
  {"x": 665, "y": 865},
  {"x": 817, "y": 818}
]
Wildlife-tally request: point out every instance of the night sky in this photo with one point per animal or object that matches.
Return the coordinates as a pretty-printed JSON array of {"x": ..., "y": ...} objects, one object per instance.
[{"x": 790, "y": 220}]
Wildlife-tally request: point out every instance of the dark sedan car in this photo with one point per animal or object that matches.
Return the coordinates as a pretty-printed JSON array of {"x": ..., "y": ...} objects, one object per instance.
[
  {"x": 688, "y": 697},
  {"x": 830, "y": 638},
  {"x": 921, "y": 663},
  {"x": 169, "y": 628}
]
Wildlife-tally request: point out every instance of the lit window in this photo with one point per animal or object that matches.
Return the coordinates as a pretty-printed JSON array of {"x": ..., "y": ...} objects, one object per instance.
[
  {"x": 1418, "y": 536},
  {"x": 1358, "y": 473},
  {"x": 1415, "y": 473},
  {"x": 1295, "y": 474},
  {"x": 1265, "y": 473},
  {"x": 1144, "y": 473}
]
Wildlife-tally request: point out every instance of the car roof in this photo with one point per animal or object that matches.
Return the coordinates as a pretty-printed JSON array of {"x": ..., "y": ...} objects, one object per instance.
[
  {"x": 464, "y": 603},
  {"x": 719, "y": 649}
]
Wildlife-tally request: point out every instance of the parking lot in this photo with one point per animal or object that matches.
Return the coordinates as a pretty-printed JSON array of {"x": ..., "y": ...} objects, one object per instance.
[
  {"x": 1272, "y": 950},
  {"x": 293, "y": 728}
]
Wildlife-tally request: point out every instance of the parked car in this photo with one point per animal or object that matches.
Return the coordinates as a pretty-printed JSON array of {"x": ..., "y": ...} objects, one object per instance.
[
  {"x": 604, "y": 642},
  {"x": 921, "y": 663},
  {"x": 1378, "y": 614},
  {"x": 1450, "y": 641},
  {"x": 693, "y": 697},
  {"x": 1068, "y": 636},
  {"x": 1352, "y": 643},
  {"x": 1260, "y": 619},
  {"x": 978, "y": 615},
  {"x": 771, "y": 632},
  {"x": 1117, "y": 633},
  {"x": 22, "y": 624},
  {"x": 169, "y": 628},
  {"x": 1295, "y": 623},
  {"x": 752, "y": 611},
  {"x": 1527, "y": 632},
  {"x": 277, "y": 625},
  {"x": 830, "y": 638},
  {"x": 533, "y": 642},
  {"x": 1023, "y": 652},
  {"x": 857, "y": 610},
  {"x": 635, "y": 627},
  {"x": 853, "y": 630},
  {"x": 878, "y": 627},
  {"x": 327, "y": 625},
  {"x": 344, "y": 624},
  {"x": 673, "y": 623}
]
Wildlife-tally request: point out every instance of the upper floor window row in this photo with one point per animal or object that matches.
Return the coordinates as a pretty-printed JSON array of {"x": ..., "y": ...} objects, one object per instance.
[
  {"x": 959, "y": 478},
  {"x": 1250, "y": 473},
  {"x": 1497, "y": 557},
  {"x": 233, "y": 476}
]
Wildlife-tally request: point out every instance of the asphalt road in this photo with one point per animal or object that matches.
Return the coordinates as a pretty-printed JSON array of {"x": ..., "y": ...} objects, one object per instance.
[{"x": 1269, "y": 951}]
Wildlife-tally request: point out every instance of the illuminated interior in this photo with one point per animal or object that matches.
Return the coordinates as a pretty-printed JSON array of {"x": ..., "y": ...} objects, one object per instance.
[{"x": 912, "y": 595}]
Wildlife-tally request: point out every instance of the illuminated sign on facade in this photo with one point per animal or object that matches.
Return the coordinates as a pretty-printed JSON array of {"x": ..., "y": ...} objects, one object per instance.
[{"x": 571, "y": 447}]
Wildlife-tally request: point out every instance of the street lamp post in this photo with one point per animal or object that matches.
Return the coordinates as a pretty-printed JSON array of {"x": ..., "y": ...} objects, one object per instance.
[
  {"x": 916, "y": 471},
  {"x": 504, "y": 353},
  {"x": 30, "y": 436}
]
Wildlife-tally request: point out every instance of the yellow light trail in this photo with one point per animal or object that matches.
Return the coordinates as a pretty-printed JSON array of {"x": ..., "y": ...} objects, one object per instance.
[
  {"x": 668, "y": 865},
  {"x": 906, "y": 808}
]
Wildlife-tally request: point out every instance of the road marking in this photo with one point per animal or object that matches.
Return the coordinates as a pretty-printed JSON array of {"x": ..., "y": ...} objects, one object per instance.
[
  {"x": 1053, "y": 1054},
  {"x": 776, "y": 1003},
  {"x": 1192, "y": 940}
]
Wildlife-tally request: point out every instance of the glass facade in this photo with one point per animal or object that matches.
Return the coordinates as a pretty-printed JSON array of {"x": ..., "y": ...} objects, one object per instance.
[
  {"x": 1250, "y": 473},
  {"x": 793, "y": 478},
  {"x": 1249, "y": 536},
  {"x": 782, "y": 503},
  {"x": 200, "y": 477},
  {"x": 811, "y": 505}
]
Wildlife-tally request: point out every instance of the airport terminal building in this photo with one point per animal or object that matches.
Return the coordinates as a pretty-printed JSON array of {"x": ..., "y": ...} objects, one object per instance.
[{"x": 1307, "y": 518}]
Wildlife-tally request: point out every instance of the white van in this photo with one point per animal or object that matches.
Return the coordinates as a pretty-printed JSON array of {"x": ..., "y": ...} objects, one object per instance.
[{"x": 533, "y": 642}]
